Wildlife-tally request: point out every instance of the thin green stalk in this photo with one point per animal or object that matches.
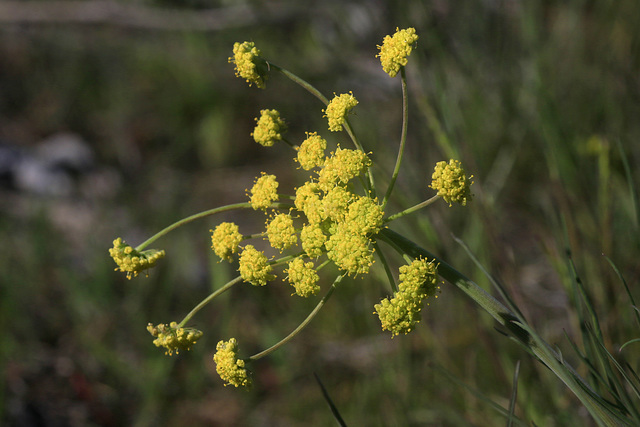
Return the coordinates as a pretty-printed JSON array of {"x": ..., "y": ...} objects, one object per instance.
[
  {"x": 412, "y": 209},
  {"x": 315, "y": 92},
  {"x": 369, "y": 186},
  {"x": 200, "y": 215},
  {"x": 306, "y": 85},
  {"x": 403, "y": 137},
  {"x": 208, "y": 299},
  {"x": 522, "y": 332},
  {"x": 387, "y": 269},
  {"x": 302, "y": 325},
  {"x": 228, "y": 286}
]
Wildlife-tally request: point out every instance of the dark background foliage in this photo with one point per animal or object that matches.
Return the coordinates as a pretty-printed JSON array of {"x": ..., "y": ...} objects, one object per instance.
[{"x": 116, "y": 119}]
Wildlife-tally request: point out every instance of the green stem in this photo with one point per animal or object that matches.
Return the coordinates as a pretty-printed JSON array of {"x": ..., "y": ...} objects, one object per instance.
[
  {"x": 370, "y": 186},
  {"x": 412, "y": 209},
  {"x": 403, "y": 137},
  {"x": 522, "y": 332},
  {"x": 306, "y": 85},
  {"x": 200, "y": 215},
  {"x": 208, "y": 299},
  {"x": 387, "y": 269},
  {"x": 315, "y": 92},
  {"x": 302, "y": 325}
]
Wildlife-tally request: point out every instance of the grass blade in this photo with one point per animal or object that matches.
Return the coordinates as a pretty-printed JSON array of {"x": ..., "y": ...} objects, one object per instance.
[
  {"x": 514, "y": 395},
  {"x": 334, "y": 410},
  {"x": 626, "y": 287}
]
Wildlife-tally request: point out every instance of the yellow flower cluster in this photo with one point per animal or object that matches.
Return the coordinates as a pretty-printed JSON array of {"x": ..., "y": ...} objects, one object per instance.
[
  {"x": 311, "y": 151},
  {"x": 341, "y": 167},
  {"x": 303, "y": 277},
  {"x": 349, "y": 250},
  {"x": 264, "y": 192},
  {"x": 281, "y": 232},
  {"x": 451, "y": 183},
  {"x": 173, "y": 338},
  {"x": 308, "y": 201},
  {"x": 249, "y": 65},
  {"x": 254, "y": 266},
  {"x": 231, "y": 369},
  {"x": 313, "y": 240},
  {"x": 269, "y": 128},
  {"x": 336, "y": 111},
  {"x": 225, "y": 240},
  {"x": 418, "y": 281},
  {"x": 130, "y": 260},
  {"x": 395, "y": 50},
  {"x": 339, "y": 220}
]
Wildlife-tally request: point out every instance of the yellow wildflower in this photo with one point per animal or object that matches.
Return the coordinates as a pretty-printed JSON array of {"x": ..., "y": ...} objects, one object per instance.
[
  {"x": 174, "y": 338},
  {"x": 249, "y": 65},
  {"x": 395, "y": 50},
  {"x": 303, "y": 277},
  {"x": 225, "y": 240},
  {"x": 132, "y": 261},
  {"x": 336, "y": 111},
  {"x": 254, "y": 266},
  {"x": 264, "y": 191},
  {"x": 451, "y": 182},
  {"x": 269, "y": 128},
  {"x": 231, "y": 369}
]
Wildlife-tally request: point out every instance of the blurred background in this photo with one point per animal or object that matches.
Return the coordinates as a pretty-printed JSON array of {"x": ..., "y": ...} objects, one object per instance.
[{"x": 119, "y": 118}]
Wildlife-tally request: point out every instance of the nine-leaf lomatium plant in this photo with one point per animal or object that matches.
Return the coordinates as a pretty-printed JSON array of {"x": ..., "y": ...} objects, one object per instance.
[{"x": 338, "y": 217}]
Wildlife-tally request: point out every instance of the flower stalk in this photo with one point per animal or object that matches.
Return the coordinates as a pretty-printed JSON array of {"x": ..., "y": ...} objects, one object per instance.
[{"x": 302, "y": 325}]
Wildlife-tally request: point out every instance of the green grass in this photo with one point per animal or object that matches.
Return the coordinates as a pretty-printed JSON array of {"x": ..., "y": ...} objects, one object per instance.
[{"x": 539, "y": 102}]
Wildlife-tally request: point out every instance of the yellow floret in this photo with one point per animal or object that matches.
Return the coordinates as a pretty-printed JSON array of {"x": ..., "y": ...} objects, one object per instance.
[
  {"x": 308, "y": 201},
  {"x": 451, "y": 182},
  {"x": 130, "y": 260},
  {"x": 313, "y": 239},
  {"x": 303, "y": 277},
  {"x": 225, "y": 240},
  {"x": 396, "y": 49},
  {"x": 249, "y": 65},
  {"x": 231, "y": 369},
  {"x": 281, "y": 232},
  {"x": 173, "y": 338},
  {"x": 311, "y": 151},
  {"x": 418, "y": 281},
  {"x": 269, "y": 128},
  {"x": 341, "y": 167},
  {"x": 351, "y": 252},
  {"x": 254, "y": 267},
  {"x": 336, "y": 111},
  {"x": 264, "y": 192},
  {"x": 365, "y": 215}
]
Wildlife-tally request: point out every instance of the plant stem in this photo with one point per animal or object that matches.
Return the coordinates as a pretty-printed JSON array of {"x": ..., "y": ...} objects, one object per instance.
[
  {"x": 208, "y": 299},
  {"x": 370, "y": 186},
  {"x": 412, "y": 209},
  {"x": 387, "y": 269},
  {"x": 302, "y": 325},
  {"x": 200, "y": 215},
  {"x": 306, "y": 85},
  {"x": 315, "y": 92},
  {"x": 403, "y": 137}
]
